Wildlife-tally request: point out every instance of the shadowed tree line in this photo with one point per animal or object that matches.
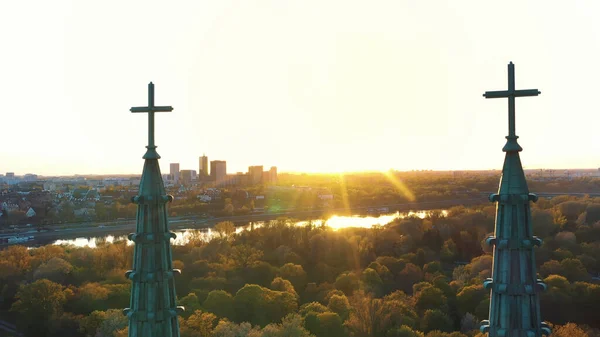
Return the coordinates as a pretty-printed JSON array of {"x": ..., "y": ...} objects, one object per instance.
[{"x": 412, "y": 277}]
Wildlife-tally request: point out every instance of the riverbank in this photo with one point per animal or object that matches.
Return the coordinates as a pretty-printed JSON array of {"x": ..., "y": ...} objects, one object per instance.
[{"x": 198, "y": 222}]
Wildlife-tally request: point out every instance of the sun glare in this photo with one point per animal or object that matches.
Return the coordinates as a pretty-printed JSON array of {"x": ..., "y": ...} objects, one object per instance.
[
  {"x": 399, "y": 185},
  {"x": 344, "y": 192}
]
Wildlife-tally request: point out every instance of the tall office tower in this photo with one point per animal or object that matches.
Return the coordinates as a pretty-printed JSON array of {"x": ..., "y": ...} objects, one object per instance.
[
  {"x": 187, "y": 176},
  {"x": 256, "y": 174},
  {"x": 273, "y": 174},
  {"x": 218, "y": 171},
  {"x": 174, "y": 171},
  {"x": 203, "y": 166}
]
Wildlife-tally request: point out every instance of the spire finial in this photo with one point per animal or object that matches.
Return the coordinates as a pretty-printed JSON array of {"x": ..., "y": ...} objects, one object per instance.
[
  {"x": 511, "y": 93},
  {"x": 151, "y": 109}
]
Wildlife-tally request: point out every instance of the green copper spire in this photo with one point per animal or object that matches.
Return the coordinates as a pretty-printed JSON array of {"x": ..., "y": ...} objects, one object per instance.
[
  {"x": 153, "y": 311},
  {"x": 514, "y": 305}
]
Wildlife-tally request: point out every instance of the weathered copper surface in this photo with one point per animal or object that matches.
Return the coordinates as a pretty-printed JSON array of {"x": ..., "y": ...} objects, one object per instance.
[
  {"x": 153, "y": 308},
  {"x": 514, "y": 287}
]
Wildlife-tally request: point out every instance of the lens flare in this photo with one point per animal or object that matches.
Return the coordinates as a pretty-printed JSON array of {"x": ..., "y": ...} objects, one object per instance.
[{"x": 400, "y": 186}]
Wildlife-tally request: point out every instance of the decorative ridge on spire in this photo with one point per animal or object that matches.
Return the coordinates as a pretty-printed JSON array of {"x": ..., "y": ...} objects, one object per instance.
[{"x": 514, "y": 287}]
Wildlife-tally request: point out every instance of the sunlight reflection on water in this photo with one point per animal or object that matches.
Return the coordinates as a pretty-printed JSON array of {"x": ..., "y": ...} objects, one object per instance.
[{"x": 185, "y": 235}]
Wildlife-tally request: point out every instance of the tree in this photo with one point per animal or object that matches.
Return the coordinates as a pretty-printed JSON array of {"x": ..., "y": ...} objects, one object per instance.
[
  {"x": 199, "y": 324},
  {"x": 367, "y": 317},
  {"x": 191, "y": 303},
  {"x": 340, "y": 305},
  {"x": 571, "y": 209},
  {"x": 56, "y": 270},
  {"x": 469, "y": 323},
  {"x": 220, "y": 303},
  {"x": 436, "y": 320},
  {"x": 551, "y": 267},
  {"x": 568, "y": 330},
  {"x": 314, "y": 307},
  {"x": 260, "y": 272},
  {"x": 410, "y": 275},
  {"x": 291, "y": 326},
  {"x": 114, "y": 320},
  {"x": 574, "y": 270},
  {"x": 470, "y": 297},
  {"x": 14, "y": 261},
  {"x": 295, "y": 274},
  {"x": 66, "y": 324},
  {"x": 404, "y": 331},
  {"x": 430, "y": 298},
  {"x": 449, "y": 251},
  {"x": 542, "y": 223},
  {"x": 90, "y": 323},
  {"x": 228, "y": 209},
  {"x": 226, "y": 328},
  {"x": 224, "y": 229},
  {"x": 347, "y": 282},
  {"x": 432, "y": 267},
  {"x": 243, "y": 256},
  {"x": 40, "y": 302},
  {"x": 329, "y": 325},
  {"x": 90, "y": 297},
  {"x": 372, "y": 282},
  {"x": 261, "y": 306},
  {"x": 280, "y": 284},
  {"x": 592, "y": 214}
]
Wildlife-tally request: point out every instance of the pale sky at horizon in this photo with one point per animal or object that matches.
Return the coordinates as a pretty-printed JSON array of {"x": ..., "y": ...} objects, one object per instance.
[{"x": 313, "y": 86}]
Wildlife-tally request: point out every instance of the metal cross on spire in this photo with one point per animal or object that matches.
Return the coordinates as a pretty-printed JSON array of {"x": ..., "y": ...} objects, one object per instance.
[
  {"x": 151, "y": 109},
  {"x": 153, "y": 307},
  {"x": 514, "y": 286},
  {"x": 511, "y": 93}
]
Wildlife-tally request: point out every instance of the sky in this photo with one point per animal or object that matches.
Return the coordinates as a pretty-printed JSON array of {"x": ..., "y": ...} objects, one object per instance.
[{"x": 307, "y": 86}]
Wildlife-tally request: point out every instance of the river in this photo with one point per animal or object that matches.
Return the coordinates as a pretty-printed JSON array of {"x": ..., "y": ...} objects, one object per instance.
[{"x": 183, "y": 235}]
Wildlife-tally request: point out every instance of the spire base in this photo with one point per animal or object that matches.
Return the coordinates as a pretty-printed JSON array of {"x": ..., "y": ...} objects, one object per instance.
[
  {"x": 151, "y": 153},
  {"x": 512, "y": 145}
]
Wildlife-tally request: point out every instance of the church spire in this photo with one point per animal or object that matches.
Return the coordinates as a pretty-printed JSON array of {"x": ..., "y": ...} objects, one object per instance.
[
  {"x": 153, "y": 308},
  {"x": 514, "y": 304}
]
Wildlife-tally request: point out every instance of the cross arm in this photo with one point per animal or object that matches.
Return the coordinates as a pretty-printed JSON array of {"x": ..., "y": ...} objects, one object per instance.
[
  {"x": 515, "y": 93},
  {"x": 153, "y": 109},
  {"x": 497, "y": 94},
  {"x": 527, "y": 92}
]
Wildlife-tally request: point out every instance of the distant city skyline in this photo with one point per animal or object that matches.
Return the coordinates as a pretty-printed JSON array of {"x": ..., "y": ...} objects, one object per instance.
[
  {"x": 168, "y": 172},
  {"x": 363, "y": 86}
]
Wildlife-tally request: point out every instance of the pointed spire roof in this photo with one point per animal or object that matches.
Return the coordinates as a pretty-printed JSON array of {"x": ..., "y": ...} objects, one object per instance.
[
  {"x": 514, "y": 304},
  {"x": 154, "y": 310}
]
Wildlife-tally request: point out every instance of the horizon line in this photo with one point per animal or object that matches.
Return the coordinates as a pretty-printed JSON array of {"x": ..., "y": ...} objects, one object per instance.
[{"x": 321, "y": 172}]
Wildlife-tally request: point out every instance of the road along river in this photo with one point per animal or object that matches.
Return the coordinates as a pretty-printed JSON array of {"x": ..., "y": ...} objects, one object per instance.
[
  {"x": 87, "y": 234},
  {"x": 184, "y": 231}
]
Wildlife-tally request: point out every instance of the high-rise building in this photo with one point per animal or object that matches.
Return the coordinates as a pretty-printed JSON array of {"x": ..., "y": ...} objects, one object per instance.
[
  {"x": 174, "y": 171},
  {"x": 218, "y": 171},
  {"x": 203, "y": 166},
  {"x": 256, "y": 174},
  {"x": 187, "y": 176},
  {"x": 273, "y": 174}
]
